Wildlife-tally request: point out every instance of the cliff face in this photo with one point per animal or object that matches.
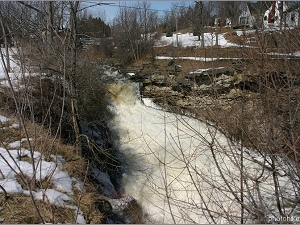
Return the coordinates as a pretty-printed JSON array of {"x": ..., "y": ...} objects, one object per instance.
[{"x": 198, "y": 89}]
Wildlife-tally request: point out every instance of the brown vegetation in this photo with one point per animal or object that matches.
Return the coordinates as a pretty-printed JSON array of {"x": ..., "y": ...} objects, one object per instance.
[{"x": 18, "y": 208}]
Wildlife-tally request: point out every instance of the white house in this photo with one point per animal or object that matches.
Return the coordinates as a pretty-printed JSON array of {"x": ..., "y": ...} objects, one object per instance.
[
  {"x": 272, "y": 16},
  {"x": 246, "y": 18}
]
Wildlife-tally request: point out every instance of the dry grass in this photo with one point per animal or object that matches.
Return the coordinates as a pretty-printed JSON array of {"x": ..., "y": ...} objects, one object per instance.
[
  {"x": 89, "y": 203},
  {"x": 208, "y": 52},
  {"x": 18, "y": 208},
  {"x": 133, "y": 213},
  {"x": 232, "y": 37}
]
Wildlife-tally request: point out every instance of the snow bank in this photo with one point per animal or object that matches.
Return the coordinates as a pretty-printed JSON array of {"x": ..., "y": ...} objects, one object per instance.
[
  {"x": 188, "y": 40},
  {"x": 203, "y": 59},
  {"x": 3, "y": 119},
  {"x": 16, "y": 73},
  {"x": 11, "y": 165}
]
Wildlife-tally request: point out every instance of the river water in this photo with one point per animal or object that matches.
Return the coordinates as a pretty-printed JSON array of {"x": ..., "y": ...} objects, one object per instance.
[{"x": 182, "y": 170}]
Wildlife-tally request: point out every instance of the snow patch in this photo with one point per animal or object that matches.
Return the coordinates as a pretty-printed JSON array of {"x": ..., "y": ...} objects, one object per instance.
[
  {"x": 188, "y": 40},
  {"x": 11, "y": 186},
  {"x": 52, "y": 196},
  {"x": 3, "y": 119},
  {"x": 63, "y": 182},
  {"x": 203, "y": 59}
]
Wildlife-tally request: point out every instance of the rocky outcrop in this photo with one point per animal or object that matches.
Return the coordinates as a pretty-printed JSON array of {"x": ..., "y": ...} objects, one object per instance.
[{"x": 199, "y": 89}]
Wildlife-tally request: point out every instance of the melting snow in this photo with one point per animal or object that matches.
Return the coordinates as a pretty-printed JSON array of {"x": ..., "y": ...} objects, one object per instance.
[
  {"x": 53, "y": 196},
  {"x": 3, "y": 119},
  {"x": 188, "y": 40},
  {"x": 11, "y": 165},
  {"x": 204, "y": 59}
]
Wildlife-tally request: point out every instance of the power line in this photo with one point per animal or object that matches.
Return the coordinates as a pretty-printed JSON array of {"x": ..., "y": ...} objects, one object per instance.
[
  {"x": 131, "y": 7},
  {"x": 96, "y": 4},
  {"x": 134, "y": 7}
]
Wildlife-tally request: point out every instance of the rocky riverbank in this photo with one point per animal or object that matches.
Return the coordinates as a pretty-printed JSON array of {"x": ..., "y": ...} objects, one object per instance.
[{"x": 187, "y": 91}]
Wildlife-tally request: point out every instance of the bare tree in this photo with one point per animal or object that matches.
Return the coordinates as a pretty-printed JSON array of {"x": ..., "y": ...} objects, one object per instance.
[
  {"x": 230, "y": 10},
  {"x": 74, "y": 6},
  {"x": 132, "y": 29},
  {"x": 199, "y": 21}
]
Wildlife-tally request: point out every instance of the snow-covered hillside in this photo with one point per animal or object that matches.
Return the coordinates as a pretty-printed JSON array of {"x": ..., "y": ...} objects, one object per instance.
[{"x": 188, "y": 40}]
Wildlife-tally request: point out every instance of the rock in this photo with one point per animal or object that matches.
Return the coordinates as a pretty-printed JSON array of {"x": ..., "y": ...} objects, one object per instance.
[
  {"x": 104, "y": 207},
  {"x": 240, "y": 77},
  {"x": 171, "y": 63},
  {"x": 234, "y": 93},
  {"x": 178, "y": 68},
  {"x": 225, "y": 80},
  {"x": 158, "y": 79},
  {"x": 128, "y": 209},
  {"x": 133, "y": 213},
  {"x": 137, "y": 78},
  {"x": 104, "y": 183}
]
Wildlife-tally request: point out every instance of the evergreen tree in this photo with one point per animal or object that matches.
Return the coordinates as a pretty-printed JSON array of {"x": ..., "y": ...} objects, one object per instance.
[{"x": 93, "y": 27}]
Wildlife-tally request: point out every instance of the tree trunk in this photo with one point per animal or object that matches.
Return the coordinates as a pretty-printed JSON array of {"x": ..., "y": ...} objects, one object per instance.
[
  {"x": 202, "y": 25},
  {"x": 72, "y": 78},
  {"x": 49, "y": 20},
  {"x": 6, "y": 47}
]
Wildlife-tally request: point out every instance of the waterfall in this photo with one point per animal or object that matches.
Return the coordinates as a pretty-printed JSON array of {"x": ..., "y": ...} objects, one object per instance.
[
  {"x": 124, "y": 93},
  {"x": 170, "y": 164}
]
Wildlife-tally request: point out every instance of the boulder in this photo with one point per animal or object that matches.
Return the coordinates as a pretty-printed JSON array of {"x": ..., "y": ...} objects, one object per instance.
[{"x": 234, "y": 93}]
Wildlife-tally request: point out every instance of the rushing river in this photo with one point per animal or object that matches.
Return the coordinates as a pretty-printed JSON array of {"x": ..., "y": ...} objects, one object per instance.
[{"x": 182, "y": 170}]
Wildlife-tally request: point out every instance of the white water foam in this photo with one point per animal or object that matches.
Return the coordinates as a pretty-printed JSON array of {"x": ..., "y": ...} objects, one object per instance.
[{"x": 171, "y": 169}]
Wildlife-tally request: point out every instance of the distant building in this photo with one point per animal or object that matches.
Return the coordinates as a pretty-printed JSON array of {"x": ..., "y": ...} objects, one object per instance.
[
  {"x": 228, "y": 22},
  {"x": 279, "y": 14},
  {"x": 246, "y": 18}
]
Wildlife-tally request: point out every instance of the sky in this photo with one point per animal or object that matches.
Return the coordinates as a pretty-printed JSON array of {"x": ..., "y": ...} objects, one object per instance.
[{"x": 109, "y": 12}]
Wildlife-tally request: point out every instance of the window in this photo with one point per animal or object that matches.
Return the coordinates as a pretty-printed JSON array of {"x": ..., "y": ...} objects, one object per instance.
[
  {"x": 292, "y": 17},
  {"x": 244, "y": 20}
]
